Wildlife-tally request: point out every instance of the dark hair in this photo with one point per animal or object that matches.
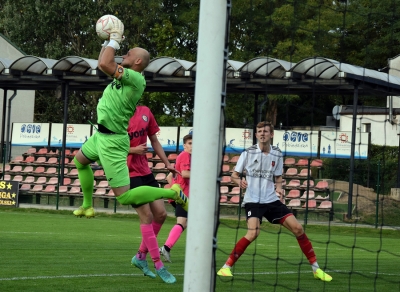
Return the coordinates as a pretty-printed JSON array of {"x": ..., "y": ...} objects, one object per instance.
[
  {"x": 266, "y": 124},
  {"x": 187, "y": 137}
]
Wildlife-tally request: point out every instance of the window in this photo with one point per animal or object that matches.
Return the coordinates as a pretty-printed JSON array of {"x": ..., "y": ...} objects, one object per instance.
[{"x": 367, "y": 128}]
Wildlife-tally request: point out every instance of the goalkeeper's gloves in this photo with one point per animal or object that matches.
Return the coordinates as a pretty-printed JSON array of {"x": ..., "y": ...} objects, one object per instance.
[{"x": 116, "y": 34}]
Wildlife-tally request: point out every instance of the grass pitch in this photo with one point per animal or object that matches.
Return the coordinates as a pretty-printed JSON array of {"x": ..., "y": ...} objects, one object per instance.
[{"x": 54, "y": 251}]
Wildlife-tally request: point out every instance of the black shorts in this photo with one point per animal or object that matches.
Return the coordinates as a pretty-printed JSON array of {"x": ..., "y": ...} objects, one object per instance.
[
  {"x": 179, "y": 212},
  {"x": 139, "y": 181},
  {"x": 273, "y": 212}
]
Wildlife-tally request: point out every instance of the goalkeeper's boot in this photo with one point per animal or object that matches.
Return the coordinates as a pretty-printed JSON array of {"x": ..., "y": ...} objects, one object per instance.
[
  {"x": 225, "y": 272},
  {"x": 321, "y": 275},
  {"x": 180, "y": 198},
  {"x": 88, "y": 213},
  {"x": 166, "y": 276},
  {"x": 166, "y": 254},
  {"x": 142, "y": 265}
]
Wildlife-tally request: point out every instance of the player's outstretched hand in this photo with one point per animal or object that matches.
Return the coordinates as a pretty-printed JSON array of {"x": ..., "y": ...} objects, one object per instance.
[{"x": 117, "y": 31}]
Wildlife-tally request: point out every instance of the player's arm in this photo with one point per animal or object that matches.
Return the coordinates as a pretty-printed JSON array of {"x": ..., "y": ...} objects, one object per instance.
[
  {"x": 278, "y": 185},
  {"x": 106, "y": 61},
  {"x": 160, "y": 152}
]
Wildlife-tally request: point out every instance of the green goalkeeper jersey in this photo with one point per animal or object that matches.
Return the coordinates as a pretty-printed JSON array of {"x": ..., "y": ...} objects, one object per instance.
[{"x": 119, "y": 100}]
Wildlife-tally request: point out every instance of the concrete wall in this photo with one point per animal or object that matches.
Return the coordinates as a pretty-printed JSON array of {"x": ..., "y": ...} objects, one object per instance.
[{"x": 22, "y": 106}]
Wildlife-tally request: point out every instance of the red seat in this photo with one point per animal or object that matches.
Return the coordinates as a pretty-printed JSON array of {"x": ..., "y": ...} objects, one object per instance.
[
  {"x": 29, "y": 180},
  {"x": 310, "y": 203},
  {"x": 289, "y": 161},
  {"x": 67, "y": 181},
  {"x": 309, "y": 183},
  {"x": 100, "y": 192},
  {"x": 321, "y": 185},
  {"x": 293, "y": 194},
  {"x": 31, "y": 151},
  {"x": 311, "y": 195},
  {"x": 304, "y": 173},
  {"x": 6, "y": 168},
  {"x": 25, "y": 187},
  {"x": 294, "y": 183},
  {"x": 74, "y": 190},
  {"x": 291, "y": 171},
  {"x": 50, "y": 189},
  {"x": 226, "y": 179},
  {"x": 28, "y": 169},
  {"x": 172, "y": 156},
  {"x": 39, "y": 170},
  {"x": 234, "y": 200},
  {"x": 223, "y": 190},
  {"x": 76, "y": 183},
  {"x": 235, "y": 191},
  {"x": 150, "y": 164},
  {"x": 37, "y": 188},
  {"x": 17, "y": 159},
  {"x": 159, "y": 166},
  {"x": 149, "y": 155},
  {"x": 42, "y": 151},
  {"x": 294, "y": 203},
  {"x": 29, "y": 159},
  {"x": 103, "y": 184},
  {"x": 41, "y": 180},
  {"x": 16, "y": 168},
  {"x": 161, "y": 176},
  {"x": 225, "y": 159},
  {"x": 52, "y": 160},
  {"x": 63, "y": 189},
  {"x": 18, "y": 178},
  {"x": 99, "y": 173},
  {"x": 51, "y": 170},
  {"x": 7, "y": 177},
  {"x": 73, "y": 172},
  {"x": 226, "y": 168},
  {"x": 234, "y": 159},
  {"x": 325, "y": 205},
  {"x": 302, "y": 162},
  {"x": 41, "y": 160},
  {"x": 53, "y": 181},
  {"x": 317, "y": 163},
  {"x": 110, "y": 193},
  {"x": 223, "y": 199}
]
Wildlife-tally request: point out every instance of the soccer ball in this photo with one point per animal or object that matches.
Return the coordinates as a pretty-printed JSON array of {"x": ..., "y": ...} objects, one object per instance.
[{"x": 104, "y": 25}]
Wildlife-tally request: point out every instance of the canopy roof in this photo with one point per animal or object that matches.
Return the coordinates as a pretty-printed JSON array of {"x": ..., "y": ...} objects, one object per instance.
[{"x": 165, "y": 74}]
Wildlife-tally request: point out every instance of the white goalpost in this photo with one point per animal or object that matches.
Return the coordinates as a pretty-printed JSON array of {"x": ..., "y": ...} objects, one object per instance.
[{"x": 199, "y": 269}]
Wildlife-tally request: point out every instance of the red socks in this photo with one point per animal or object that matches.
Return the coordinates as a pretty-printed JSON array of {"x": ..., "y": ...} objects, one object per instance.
[
  {"x": 307, "y": 248},
  {"x": 237, "y": 251}
]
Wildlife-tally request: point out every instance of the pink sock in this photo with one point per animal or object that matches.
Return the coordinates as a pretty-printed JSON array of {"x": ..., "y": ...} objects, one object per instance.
[
  {"x": 143, "y": 248},
  {"x": 174, "y": 235},
  {"x": 150, "y": 241}
]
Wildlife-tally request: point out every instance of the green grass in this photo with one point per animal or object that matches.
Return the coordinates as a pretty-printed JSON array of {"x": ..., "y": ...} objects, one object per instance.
[{"x": 43, "y": 250}]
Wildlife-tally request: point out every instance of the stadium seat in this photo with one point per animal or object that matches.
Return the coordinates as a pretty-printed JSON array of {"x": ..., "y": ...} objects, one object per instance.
[
  {"x": 37, "y": 188},
  {"x": 172, "y": 156},
  {"x": 293, "y": 194},
  {"x": 156, "y": 158},
  {"x": 226, "y": 179},
  {"x": 18, "y": 178},
  {"x": 321, "y": 185},
  {"x": 291, "y": 172},
  {"x": 76, "y": 183},
  {"x": 28, "y": 180},
  {"x": 103, "y": 184},
  {"x": 41, "y": 180},
  {"x": 51, "y": 170},
  {"x": 29, "y": 159},
  {"x": 304, "y": 173},
  {"x": 31, "y": 151},
  {"x": 66, "y": 181},
  {"x": 63, "y": 189},
  {"x": 234, "y": 159},
  {"x": 317, "y": 163},
  {"x": 159, "y": 166},
  {"x": 110, "y": 193},
  {"x": 234, "y": 200},
  {"x": 161, "y": 177},
  {"x": 223, "y": 190},
  {"x": 39, "y": 170},
  {"x": 25, "y": 187},
  {"x": 74, "y": 153},
  {"x": 325, "y": 205},
  {"x": 53, "y": 181},
  {"x": 226, "y": 168},
  {"x": 310, "y": 204},
  {"x": 99, "y": 173},
  {"x": 74, "y": 172},
  {"x": 225, "y": 159},
  {"x": 309, "y": 183},
  {"x": 294, "y": 203},
  {"x": 16, "y": 169},
  {"x": 50, "y": 189},
  {"x": 52, "y": 160},
  {"x": 223, "y": 199},
  {"x": 149, "y": 155},
  {"x": 311, "y": 195},
  {"x": 289, "y": 161},
  {"x": 17, "y": 159},
  {"x": 293, "y": 184},
  {"x": 150, "y": 164},
  {"x": 235, "y": 191},
  {"x": 40, "y": 160},
  {"x": 7, "y": 177},
  {"x": 6, "y": 168},
  {"x": 74, "y": 190},
  {"x": 302, "y": 162},
  {"x": 42, "y": 151},
  {"x": 28, "y": 169},
  {"x": 100, "y": 192}
]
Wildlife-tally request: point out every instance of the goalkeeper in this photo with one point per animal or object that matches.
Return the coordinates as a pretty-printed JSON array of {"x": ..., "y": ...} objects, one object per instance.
[
  {"x": 110, "y": 144},
  {"x": 261, "y": 162}
]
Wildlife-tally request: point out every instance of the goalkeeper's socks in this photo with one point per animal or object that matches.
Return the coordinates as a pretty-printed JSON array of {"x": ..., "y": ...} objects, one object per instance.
[
  {"x": 145, "y": 194},
  {"x": 86, "y": 178},
  {"x": 315, "y": 267}
]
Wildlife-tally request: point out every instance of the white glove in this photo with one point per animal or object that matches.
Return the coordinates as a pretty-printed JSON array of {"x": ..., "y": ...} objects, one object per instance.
[{"x": 117, "y": 31}]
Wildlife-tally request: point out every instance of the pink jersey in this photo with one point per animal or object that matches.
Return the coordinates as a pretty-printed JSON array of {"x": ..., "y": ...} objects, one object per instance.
[
  {"x": 141, "y": 125},
  {"x": 182, "y": 163}
]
